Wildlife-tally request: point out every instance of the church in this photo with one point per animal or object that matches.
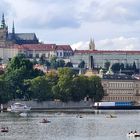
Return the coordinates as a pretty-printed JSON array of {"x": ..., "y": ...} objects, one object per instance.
[
  {"x": 8, "y": 39},
  {"x": 13, "y": 43}
]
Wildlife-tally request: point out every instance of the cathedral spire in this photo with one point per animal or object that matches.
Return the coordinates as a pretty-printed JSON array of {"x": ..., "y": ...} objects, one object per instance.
[
  {"x": 91, "y": 44},
  {"x": 3, "y": 21}
]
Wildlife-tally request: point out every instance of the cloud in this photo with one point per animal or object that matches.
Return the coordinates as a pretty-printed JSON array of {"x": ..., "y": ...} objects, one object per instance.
[
  {"x": 74, "y": 20},
  {"x": 5, "y": 7},
  {"x": 120, "y": 43},
  {"x": 45, "y": 14},
  {"x": 80, "y": 45}
]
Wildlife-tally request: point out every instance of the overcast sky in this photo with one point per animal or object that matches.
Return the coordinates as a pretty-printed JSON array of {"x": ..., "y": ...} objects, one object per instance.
[{"x": 114, "y": 24}]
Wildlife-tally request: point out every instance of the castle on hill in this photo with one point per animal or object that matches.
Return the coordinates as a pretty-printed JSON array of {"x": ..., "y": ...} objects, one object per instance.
[{"x": 8, "y": 39}]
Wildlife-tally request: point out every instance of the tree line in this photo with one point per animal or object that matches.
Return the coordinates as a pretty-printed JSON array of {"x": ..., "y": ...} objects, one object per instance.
[{"x": 21, "y": 81}]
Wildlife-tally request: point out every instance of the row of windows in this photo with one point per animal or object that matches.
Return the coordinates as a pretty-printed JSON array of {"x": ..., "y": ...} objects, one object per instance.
[
  {"x": 119, "y": 98},
  {"x": 121, "y": 85},
  {"x": 65, "y": 53},
  {"x": 58, "y": 54},
  {"x": 120, "y": 91}
]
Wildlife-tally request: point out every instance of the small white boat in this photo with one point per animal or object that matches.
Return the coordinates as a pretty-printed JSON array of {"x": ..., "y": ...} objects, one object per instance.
[
  {"x": 133, "y": 134},
  {"x": 24, "y": 114},
  {"x": 19, "y": 107}
]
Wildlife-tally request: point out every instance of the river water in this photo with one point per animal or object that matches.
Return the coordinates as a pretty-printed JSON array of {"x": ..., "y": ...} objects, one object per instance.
[{"x": 63, "y": 126}]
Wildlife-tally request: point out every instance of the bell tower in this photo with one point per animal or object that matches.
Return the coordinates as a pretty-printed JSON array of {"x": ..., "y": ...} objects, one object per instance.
[
  {"x": 91, "y": 44},
  {"x": 3, "y": 32}
]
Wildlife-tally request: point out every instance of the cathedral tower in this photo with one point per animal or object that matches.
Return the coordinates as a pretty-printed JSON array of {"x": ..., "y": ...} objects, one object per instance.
[
  {"x": 91, "y": 44},
  {"x": 3, "y": 32}
]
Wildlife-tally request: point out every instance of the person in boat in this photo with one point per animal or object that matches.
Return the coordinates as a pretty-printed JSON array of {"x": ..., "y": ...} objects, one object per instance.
[
  {"x": 4, "y": 129},
  {"x": 45, "y": 121}
]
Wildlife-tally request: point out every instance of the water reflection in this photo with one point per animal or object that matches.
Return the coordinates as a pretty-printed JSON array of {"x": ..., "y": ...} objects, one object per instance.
[{"x": 70, "y": 127}]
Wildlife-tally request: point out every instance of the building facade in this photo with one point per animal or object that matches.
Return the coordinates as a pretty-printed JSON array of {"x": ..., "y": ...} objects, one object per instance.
[
  {"x": 36, "y": 51},
  {"x": 98, "y": 58},
  {"x": 121, "y": 88}
]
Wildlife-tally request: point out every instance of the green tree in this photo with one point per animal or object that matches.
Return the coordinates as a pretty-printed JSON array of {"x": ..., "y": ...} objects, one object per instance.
[
  {"x": 82, "y": 64},
  {"x": 95, "y": 89},
  {"x": 68, "y": 64},
  {"x": 79, "y": 88},
  {"x": 1, "y": 60},
  {"x": 5, "y": 95},
  {"x": 18, "y": 70},
  {"x": 54, "y": 63},
  {"x": 107, "y": 65},
  {"x": 47, "y": 63},
  {"x": 61, "y": 63},
  {"x": 42, "y": 59},
  {"x": 134, "y": 67},
  {"x": 116, "y": 67},
  {"x": 62, "y": 90},
  {"x": 40, "y": 88}
]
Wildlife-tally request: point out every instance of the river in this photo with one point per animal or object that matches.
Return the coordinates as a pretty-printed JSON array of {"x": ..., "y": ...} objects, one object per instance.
[{"x": 65, "y": 126}]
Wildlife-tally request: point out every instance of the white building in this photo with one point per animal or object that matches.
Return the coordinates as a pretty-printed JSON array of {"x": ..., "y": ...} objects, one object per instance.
[{"x": 36, "y": 51}]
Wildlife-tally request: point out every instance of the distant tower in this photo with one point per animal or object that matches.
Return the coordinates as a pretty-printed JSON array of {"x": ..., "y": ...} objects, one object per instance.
[
  {"x": 13, "y": 32},
  {"x": 3, "y": 22},
  {"x": 91, "y": 44},
  {"x": 3, "y": 32}
]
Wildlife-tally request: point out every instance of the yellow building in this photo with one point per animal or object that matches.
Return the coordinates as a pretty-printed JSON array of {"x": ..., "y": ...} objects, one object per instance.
[{"x": 121, "y": 88}]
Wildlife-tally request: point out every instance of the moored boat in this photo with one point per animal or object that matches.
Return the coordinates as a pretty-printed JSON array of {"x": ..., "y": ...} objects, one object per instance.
[{"x": 19, "y": 107}]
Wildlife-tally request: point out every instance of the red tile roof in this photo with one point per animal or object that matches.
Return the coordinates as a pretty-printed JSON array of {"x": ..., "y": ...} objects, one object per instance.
[
  {"x": 64, "y": 47},
  {"x": 43, "y": 47},
  {"x": 38, "y": 47},
  {"x": 106, "y": 51}
]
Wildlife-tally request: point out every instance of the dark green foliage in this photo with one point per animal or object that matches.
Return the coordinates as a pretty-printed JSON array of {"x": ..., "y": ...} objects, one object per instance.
[
  {"x": 79, "y": 88},
  {"x": 63, "y": 88},
  {"x": 21, "y": 81},
  {"x": 95, "y": 89},
  {"x": 134, "y": 67},
  {"x": 61, "y": 63},
  {"x": 107, "y": 65},
  {"x": 69, "y": 64},
  {"x": 18, "y": 70},
  {"x": 82, "y": 64},
  {"x": 116, "y": 67}
]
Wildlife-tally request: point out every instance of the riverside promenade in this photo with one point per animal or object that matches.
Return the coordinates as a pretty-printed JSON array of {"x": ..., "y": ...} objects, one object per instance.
[{"x": 57, "y": 106}]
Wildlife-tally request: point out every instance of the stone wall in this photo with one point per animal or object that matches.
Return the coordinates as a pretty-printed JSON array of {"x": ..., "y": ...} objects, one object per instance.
[{"x": 53, "y": 104}]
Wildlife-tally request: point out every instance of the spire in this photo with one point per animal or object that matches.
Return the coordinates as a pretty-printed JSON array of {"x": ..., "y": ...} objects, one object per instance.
[
  {"x": 3, "y": 21},
  {"x": 91, "y": 44},
  {"x": 13, "y": 29}
]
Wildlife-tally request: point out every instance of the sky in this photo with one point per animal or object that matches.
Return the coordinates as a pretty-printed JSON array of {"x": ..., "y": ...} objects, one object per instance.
[{"x": 113, "y": 24}]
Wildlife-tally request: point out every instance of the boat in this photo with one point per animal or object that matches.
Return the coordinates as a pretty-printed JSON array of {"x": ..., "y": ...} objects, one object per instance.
[
  {"x": 133, "y": 134},
  {"x": 23, "y": 114},
  {"x": 111, "y": 116},
  {"x": 45, "y": 121},
  {"x": 18, "y": 107},
  {"x": 4, "y": 129}
]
